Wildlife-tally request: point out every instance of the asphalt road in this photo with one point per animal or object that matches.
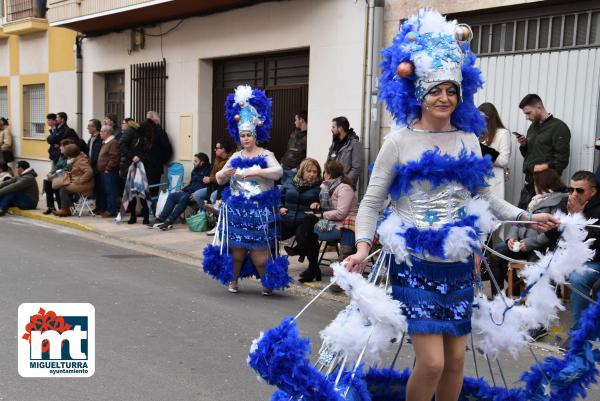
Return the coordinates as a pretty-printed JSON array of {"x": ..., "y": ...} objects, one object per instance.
[{"x": 164, "y": 330}]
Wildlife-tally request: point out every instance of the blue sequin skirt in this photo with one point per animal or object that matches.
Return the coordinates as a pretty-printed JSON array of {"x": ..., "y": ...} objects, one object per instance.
[
  {"x": 436, "y": 297},
  {"x": 251, "y": 222}
]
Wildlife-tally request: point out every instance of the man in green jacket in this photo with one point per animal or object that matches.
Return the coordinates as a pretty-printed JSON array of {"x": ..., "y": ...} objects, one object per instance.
[
  {"x": 547, "y": 142},
  {"x": 21, "y": 191}
]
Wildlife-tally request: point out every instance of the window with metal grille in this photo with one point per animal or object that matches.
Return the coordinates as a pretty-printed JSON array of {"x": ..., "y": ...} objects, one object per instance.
[
  {"x": 34, "y": 111},
  {"x": 4, "y": 101},
  {"x": 148, "y": 90},
  {"x": 545, "y": 33}
]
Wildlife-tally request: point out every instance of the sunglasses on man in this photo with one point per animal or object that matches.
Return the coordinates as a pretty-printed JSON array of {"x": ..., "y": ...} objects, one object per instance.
[{"x": 578, "y": 190}]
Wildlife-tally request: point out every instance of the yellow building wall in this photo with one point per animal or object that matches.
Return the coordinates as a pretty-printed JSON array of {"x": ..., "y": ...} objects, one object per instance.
[
  {"x": 60, "y": 42},
  {"x": 33, "y": 147},
  {"x": 13, "y": 52}
]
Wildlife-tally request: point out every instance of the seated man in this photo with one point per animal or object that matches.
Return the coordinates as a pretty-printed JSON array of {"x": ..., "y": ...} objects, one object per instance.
[
  {"x": 222, "y": 152},
  {"x": 583, "y": 198},
  {"x": 177, "y": 202},
  {"x": 21, "y": 191}
]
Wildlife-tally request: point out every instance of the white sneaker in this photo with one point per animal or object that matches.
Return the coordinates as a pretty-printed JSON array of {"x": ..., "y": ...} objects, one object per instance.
[
  {"x": 157, "y": 225},
  {"x": 211, "y": 232}
]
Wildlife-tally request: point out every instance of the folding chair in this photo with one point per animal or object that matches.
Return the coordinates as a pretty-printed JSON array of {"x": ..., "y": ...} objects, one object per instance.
[
  {"x": 174, "y": 183},
  {"x": 322, "y": 258},
  {"x": 82, "y": 203}
]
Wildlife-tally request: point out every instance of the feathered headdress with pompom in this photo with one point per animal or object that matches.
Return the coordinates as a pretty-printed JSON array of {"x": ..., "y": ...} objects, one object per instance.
[
  {"x": 249, "y": 110},
  {"x": 427, "y": 51}
]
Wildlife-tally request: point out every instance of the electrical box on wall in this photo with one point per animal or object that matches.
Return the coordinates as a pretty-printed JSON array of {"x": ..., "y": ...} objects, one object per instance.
[
  {"x": 185, "y": 136},
  {"x": 138, "y": 40}
]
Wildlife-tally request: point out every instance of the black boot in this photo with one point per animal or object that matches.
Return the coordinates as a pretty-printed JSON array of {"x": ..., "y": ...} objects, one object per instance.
[
  {"x": 314, "y": 274},
  {"x": 132, "y": 215},
  {"x": 145, "y": 213}
]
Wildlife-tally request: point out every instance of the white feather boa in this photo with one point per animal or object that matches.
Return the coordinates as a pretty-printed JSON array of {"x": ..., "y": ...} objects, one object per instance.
[
  {"x": 372, "y": 321},
  {"x": 498, "y": 333},
  {"x": 458, "y": 245}
]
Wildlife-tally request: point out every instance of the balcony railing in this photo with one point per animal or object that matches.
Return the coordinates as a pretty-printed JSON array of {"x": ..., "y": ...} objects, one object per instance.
[{"x": 21, "y": 9}]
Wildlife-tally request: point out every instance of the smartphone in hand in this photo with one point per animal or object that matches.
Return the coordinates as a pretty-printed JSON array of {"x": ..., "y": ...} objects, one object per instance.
[{"x": 515, "y": 133}]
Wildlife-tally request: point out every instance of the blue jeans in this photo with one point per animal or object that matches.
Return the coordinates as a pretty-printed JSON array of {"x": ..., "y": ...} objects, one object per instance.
[
  {"x": 583, "y": 283},
  {"x": 18, "y": 199},
  {"x": 110, "y": 182},
  {"x": 174, "y": 206},
  {"x": 202, "y": 194}
]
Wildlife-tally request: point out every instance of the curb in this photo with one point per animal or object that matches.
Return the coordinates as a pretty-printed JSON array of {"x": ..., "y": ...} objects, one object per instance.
[{"x": 50, "y": 219}]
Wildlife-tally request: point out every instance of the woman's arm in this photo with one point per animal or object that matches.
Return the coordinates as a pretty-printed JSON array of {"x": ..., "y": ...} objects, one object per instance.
[
  {"x": 274, "y": 171},
  {"x": 503, "y": 148},
  {"x": 372, "y": 203},
  {"x": 222, "y": 175}
]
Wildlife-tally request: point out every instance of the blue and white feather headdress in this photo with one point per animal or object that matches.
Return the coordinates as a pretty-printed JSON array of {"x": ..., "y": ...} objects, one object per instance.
[
  {"x": 427, "y": 51},
  {"x": 248, "y": 110}
]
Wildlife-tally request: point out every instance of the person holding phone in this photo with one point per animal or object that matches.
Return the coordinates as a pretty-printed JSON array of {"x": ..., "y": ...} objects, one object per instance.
[{"x": 548, "y": 139}]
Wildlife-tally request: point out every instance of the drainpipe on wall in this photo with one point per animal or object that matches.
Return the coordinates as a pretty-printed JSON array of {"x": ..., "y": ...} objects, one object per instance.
[
  {"x": 371, "y": 110},
  {"x": 79, "y": 74}
]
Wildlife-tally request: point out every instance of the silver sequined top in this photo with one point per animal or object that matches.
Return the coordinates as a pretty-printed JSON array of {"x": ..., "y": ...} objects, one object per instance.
[
  {"x": 252, "y": 186},
  {"x": 423, "y": 206}
]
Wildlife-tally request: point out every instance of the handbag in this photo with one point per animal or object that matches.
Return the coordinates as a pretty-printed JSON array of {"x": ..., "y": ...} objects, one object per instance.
[
  {"x": 197, "y": 223},
  {"x": 324, "y": 226},
  {"x": 59, "y": 180}
]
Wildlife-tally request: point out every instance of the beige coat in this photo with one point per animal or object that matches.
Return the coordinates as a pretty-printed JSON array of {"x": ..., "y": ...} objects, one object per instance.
[
  {"x": 82, "y": 176},
  {"x": 6, "y": 139}
]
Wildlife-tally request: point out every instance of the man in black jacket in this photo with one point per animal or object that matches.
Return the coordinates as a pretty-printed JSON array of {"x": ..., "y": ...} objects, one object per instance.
[
  {"x": 296, "y": 149},
  {"x": 583, "y": 198},
  {"x": 94, "y": 146},
  {"x": 548, "y": 139}
]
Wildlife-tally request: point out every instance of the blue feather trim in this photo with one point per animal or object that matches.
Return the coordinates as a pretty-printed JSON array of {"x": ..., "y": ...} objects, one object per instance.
[
  {"x": 431, "y": 241},
  {"x": 262, "y": 104},
  {"x": 247, "y": 162},
  {"x": 218, "y": 266},
  {"x": 276, "y": 274},
  {"x": 469, "y": 170}
]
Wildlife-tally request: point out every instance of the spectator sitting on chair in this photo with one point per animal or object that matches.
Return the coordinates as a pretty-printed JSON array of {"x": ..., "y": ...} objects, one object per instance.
[
  {"x": 60, "y": 167},
  {"x": 177, "y": 202},
  {"x": 297, "y": 194},
  {"x": 337, "y": 200},
  {"x": 108, "y": 166},
  {"x": 6, "y": 172},
  {"x": 82, "y": 179},
  {"x": 21, "y": 191},
  {"x": 583, "y": 198},
  {"x": 550, "y": 192},
  {"x": 222, "y": 152}
]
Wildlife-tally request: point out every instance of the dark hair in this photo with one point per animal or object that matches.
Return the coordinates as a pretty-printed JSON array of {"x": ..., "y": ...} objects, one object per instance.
[
  {"x": 585, "y": 176},
  {"x": 493, "y": 122},
  {"x": 303, "y": 115},
  {"x": 203, "y": 157},
  {"x": 67, "y": 141},
  {"x": 4, "y": 120},
  {"x": 96, "y": 123},
  {"x": 335, "y": 170},
  {"x": 24, "y": 164},
  {"x": 50, "y": 116},
  {"x": 62, "y": 115},
  {"x": 127, "y": 119},
  {"x": 548, "y": 181},
  {"x": 71, "y": 150},
  {"x": 342, "y": 122},
  {"x": 113, "y": 117},
  {"x": 531, "y": 100}
]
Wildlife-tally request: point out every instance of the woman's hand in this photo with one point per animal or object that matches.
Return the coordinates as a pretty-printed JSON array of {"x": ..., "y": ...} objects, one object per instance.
[
  {"x": 315, "y": 206},
  {"x": 523, "y": 246},
  {"x": 136, "y": 159},
  {"x": 510, "y": 243},
  {"x": 283, "y": 211},
  {"x": 228, "y": 172},
  {"x": 255, "y": 172},
  {"x": 206, "y": 180},
  {"x": 356, "y": 263},
  {"x": 545, "y": 222}
]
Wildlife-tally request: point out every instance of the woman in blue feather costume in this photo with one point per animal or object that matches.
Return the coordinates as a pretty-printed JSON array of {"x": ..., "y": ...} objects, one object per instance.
[
  {"x": 245, "y": 242},
  {"x": 431, "y": 166}
]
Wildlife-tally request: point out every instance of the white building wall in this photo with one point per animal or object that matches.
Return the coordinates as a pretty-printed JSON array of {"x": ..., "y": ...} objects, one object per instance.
[
  {"x": 568, "y": 83},
  {"x": 62, "y": 95},
  {"x": 33, "y": 53},
  {"x": 4, "y": 56},
  {"x": 334, "y": 31}
]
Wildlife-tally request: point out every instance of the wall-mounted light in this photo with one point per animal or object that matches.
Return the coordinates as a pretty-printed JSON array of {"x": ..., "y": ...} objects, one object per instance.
[{"x": 138, "y": 40}]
